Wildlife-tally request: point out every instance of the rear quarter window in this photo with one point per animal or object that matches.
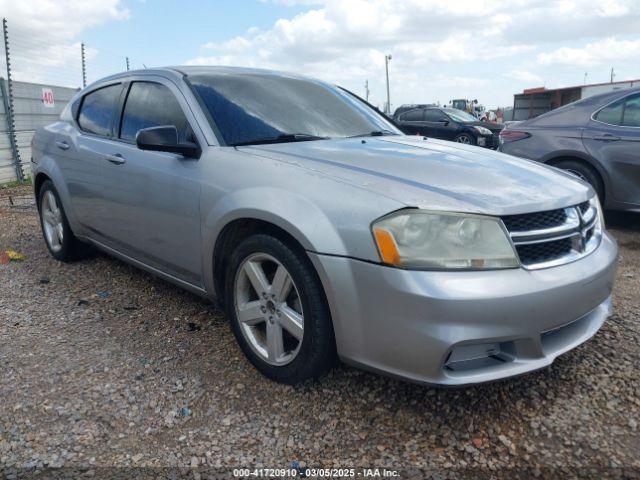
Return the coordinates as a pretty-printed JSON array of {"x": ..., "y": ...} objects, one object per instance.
[
  {"x": 97, "y": 109},
  {"x": 611, "y": 114}
]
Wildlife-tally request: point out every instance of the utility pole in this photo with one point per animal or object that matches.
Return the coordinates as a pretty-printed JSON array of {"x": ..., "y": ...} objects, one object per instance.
[
  {"x": 387, "y": 59},
  {"x": 585, "y": 78},
  {"x": 366, "y": 90},
  {"x": 613, "y": 75},
  {"x": 127, "y": 63},
  {"x": 84, "y": 66}
]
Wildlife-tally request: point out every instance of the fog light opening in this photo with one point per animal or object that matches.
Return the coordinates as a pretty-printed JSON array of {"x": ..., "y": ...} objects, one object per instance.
[{"x": 477, "y": 356}]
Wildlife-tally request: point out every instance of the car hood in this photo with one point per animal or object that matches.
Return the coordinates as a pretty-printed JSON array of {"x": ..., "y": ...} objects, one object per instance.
[{"x": 435, "y": 174}]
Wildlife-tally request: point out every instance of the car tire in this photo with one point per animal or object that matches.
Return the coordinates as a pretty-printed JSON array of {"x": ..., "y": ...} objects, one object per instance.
[
  {"x": 465, "y": 138},
  {"x": 584, "y": 172},
  {"x": 60, "y": 240},
  {"x": 260, "y": 312}
]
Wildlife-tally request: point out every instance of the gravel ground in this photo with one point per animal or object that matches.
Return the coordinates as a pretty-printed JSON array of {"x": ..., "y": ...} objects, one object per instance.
[{"x": 103, "y": 365}]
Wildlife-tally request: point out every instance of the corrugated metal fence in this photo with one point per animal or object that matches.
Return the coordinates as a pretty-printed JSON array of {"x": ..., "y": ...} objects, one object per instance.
[{"x": 34, "y": 105}]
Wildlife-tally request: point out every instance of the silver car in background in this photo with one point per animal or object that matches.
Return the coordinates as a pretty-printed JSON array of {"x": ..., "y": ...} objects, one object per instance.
[{"x": 324, "y": 231}]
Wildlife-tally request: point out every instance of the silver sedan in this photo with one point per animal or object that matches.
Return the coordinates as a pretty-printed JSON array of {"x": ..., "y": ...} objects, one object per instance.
[{"x": 325, "y": 232}]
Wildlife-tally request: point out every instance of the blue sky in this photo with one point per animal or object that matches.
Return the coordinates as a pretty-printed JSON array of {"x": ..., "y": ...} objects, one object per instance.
[
  {"x": 441, "y": 50},
  {"x": 165, "y": 32}
]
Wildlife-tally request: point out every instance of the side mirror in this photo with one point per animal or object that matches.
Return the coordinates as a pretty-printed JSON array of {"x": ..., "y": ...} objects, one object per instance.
[{"x": 165, "y": 139}]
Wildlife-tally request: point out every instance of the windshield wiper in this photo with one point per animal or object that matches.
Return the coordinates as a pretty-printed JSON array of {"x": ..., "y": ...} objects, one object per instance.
[
  {"x": 375, "y": 133},
  {"x": 284, "y": 138}
]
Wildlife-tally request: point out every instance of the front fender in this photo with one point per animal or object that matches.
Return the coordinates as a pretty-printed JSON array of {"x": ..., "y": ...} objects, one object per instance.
[{"x": 290, "y": 211}]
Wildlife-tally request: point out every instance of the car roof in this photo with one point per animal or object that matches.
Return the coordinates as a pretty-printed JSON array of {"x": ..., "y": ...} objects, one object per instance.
[
  {"x": 580, "y": 111},
  {"x": 189, "y": 70}
]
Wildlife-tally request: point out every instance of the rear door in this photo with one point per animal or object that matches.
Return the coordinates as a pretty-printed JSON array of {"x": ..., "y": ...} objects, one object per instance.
[
  {"x": 612, "y": 137},
  {"x": 153, "y": 198},
  {"x": 82, "y": 148},
  {"x": 412, "y": 122}
]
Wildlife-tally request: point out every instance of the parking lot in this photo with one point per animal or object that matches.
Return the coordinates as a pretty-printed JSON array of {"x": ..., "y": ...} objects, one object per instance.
[{"x": 105, "y": 365}]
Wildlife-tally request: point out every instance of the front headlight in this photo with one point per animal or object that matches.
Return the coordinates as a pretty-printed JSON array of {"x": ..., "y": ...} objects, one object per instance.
[
  {"x": 595, "y": 202},
  {"x": 424, "y": 240},
  {"x": 482, "y": 130}
]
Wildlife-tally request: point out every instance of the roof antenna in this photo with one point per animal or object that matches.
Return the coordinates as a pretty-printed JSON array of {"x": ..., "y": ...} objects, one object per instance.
[{"x": 145, "y": 67}]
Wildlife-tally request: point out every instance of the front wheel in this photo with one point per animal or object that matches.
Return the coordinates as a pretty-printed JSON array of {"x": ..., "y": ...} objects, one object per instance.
[
  {"x": 278, "y": 310},
  {"x": 465, "y": 138}
]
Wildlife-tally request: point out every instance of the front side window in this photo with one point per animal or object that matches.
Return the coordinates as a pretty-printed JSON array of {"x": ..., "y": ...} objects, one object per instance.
[
  {"x": 415, "y": 115},
  {"x": 631, "y": 116},
  {"x": 152, "y": 105},
  {"x": 611, "y": 114},
  {"x": 252, "y": 107},
  {"x": 434, "y": 116},
  {"x": 97, "y": 109}
]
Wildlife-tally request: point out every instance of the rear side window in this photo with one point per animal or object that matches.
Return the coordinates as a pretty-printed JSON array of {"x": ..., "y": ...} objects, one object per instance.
[
  {"x": 416, "y": 115},
  {"x": 631, "y": 116},
  {"x": 96, "y": 112},
  {"x": 152, "y": 105}
]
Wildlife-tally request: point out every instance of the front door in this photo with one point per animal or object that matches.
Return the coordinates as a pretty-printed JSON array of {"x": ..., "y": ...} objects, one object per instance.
[{"x": 153, "y": 198}]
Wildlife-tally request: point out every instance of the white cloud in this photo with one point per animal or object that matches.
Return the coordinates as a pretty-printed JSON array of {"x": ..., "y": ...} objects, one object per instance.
[
  {"x": 602, "y": 52},
  {"x": 478, "y": 45},
  {"x": 524, "y": 76},
  {"x": 43, "y": 36}
]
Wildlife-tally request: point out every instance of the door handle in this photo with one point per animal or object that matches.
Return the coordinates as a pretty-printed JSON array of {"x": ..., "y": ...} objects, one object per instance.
[
  {"x": 62, "y": 145},
  {"x": 607, "y": 137},
  {"x": 116, "y": 159}
]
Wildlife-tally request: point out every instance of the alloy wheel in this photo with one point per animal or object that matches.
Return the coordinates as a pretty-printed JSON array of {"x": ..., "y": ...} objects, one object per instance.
[
  {"x": 269, "y": 309},
  {"x": 463, "y": 139},
  {"x": 52, "y": 221}
]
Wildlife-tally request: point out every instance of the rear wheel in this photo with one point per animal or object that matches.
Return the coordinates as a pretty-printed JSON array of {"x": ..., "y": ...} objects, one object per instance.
[
  {"x": 584, "y": 172},
  {"x": 278, "y": 311},
  {"x": 465, "y": 138},
  {"x": 60, "y": 240}
]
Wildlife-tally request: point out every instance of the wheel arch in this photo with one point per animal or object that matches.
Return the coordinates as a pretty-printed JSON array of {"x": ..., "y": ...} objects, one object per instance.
[
  {"x": 38, "y": 180},
  {"x": 556, "y": 157},
  {"x": 235, "y": 232}
]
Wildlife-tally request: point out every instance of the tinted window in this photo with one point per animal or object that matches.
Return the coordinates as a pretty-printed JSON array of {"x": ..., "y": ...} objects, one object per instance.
[
  {"x": 434, "y": 116},
  {"x": 632, "y": 112},
  {"x": 97, "y": 110},
  {"x": 611, "y": 114},
  {"x": 415, "y": 115},
  {"x": 249, "y": 107},
  {"x": 151, "y": 105}
]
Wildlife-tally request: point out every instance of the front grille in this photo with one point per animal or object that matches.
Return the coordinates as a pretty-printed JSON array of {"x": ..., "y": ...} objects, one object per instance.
[
  {"x": 543, "y": 252},
  {"x": 554, "y": 237},
  {"x": 535, "y": 221}
]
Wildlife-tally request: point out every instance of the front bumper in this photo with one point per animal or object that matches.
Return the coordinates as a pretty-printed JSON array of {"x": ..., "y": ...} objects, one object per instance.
[
  {"x": 423, "y": 326},
  {"x": 488, "y": 141}
]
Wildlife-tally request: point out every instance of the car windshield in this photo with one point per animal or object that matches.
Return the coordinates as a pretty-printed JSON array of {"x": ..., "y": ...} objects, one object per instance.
[
  {"x": 262, "y": 108},
  {"x": 459, "y": 115}
]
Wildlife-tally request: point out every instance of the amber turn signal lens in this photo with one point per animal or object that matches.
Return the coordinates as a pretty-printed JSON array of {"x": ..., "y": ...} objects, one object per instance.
[{"x": 387, "y": 247}]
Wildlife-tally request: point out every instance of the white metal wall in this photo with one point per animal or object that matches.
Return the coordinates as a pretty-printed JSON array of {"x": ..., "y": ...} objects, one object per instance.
[{"x": 30, "y": 112}]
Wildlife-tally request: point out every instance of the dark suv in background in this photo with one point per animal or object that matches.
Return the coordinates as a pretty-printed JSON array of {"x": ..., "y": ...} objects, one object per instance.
[
  {"x": 447, "y": 124},
  {"x": 596, "y": 139}
]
